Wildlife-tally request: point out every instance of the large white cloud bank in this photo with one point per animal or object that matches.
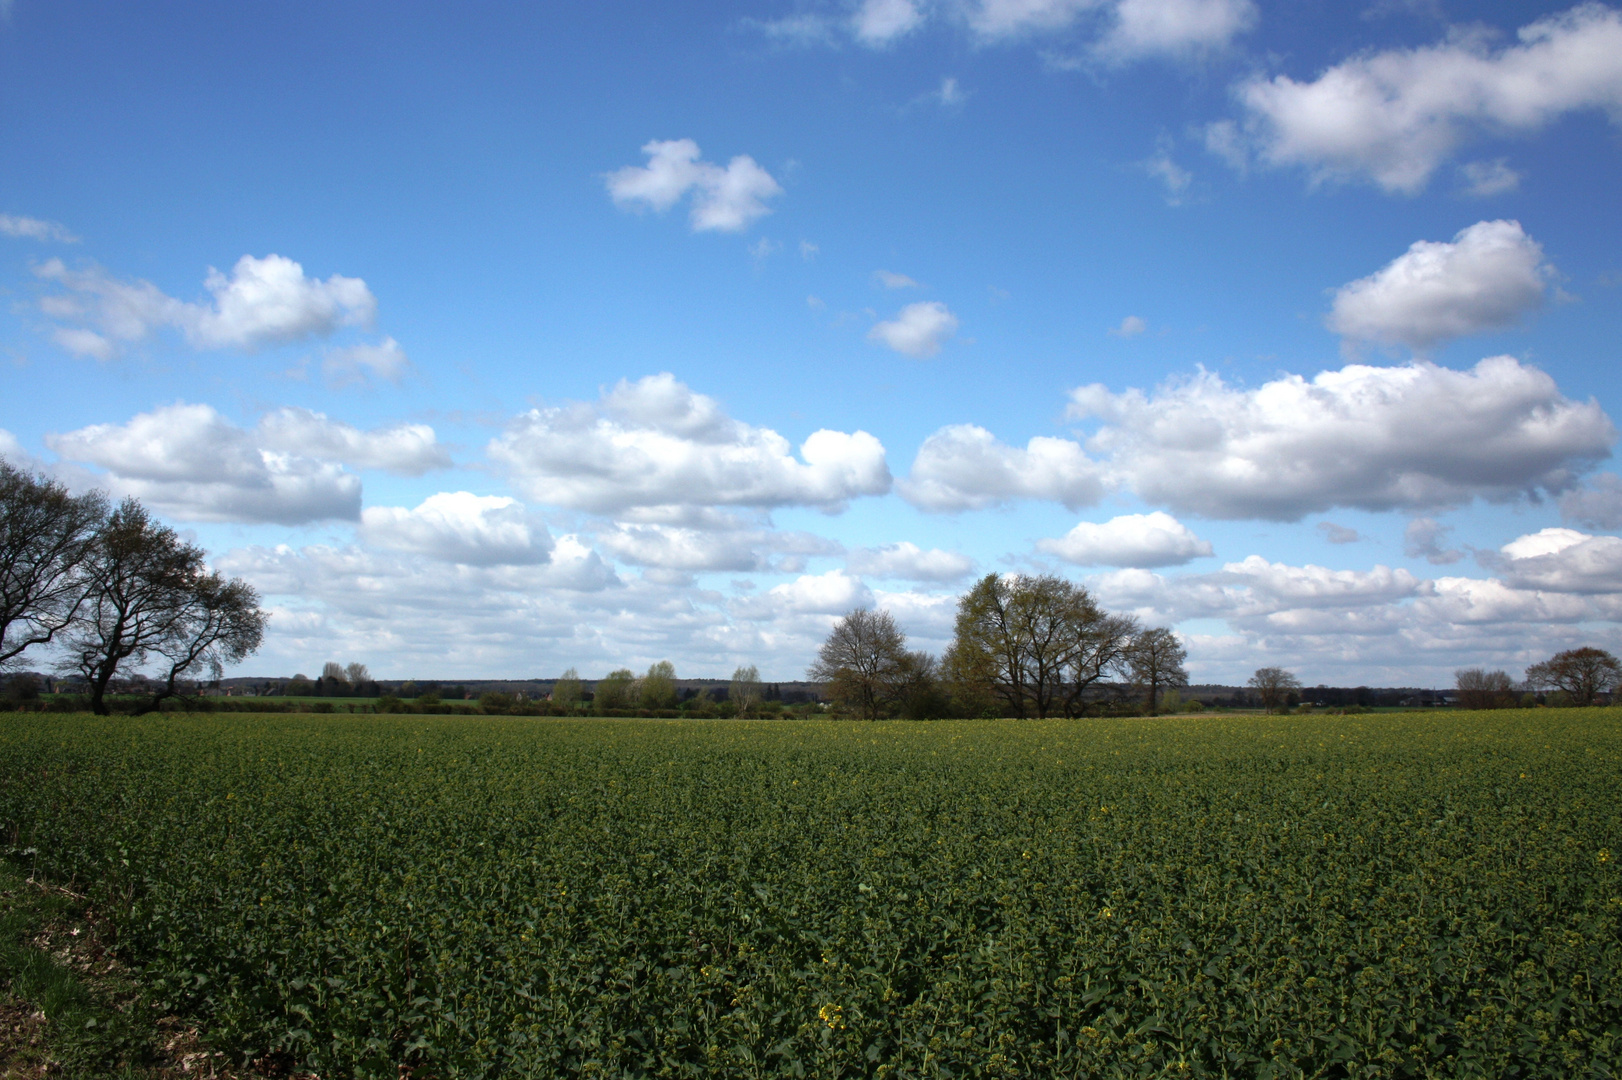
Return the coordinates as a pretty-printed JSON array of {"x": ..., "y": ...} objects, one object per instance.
[
  {"x": 268, "y": 301},
  {"x": 1394, "y": 117},
  {"x": 658, "y": 447},
  {"x": 1373, "y": 438},
  {"x": 191, "y": 463}
]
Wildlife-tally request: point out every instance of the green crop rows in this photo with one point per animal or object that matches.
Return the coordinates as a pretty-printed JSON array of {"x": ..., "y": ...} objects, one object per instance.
[{"x": 1326, "y": 896}]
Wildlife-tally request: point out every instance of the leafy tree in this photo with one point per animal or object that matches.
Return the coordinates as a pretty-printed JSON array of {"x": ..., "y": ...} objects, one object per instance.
[
  {"x": 1482, "y": 689},
  {"x": 657, "y": 689},
  {"x": 150, "y": 597},
  {"x": 566, "y": 691},
  {"x": 865, "y": 663},
  {"x": 1272, "y": 684},
  {"x": 744, "y": 693},
  {"x": 1155, "y": 660},
  {"x": 1033, "y": 645},
  {"x": 46, "y": 535},
  {"x": 1582, "y": 674},
  {"x": 614, "y": 690}
]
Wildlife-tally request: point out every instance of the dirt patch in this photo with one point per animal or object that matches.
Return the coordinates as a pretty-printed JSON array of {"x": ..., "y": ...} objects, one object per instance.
[
  {"x": 80, "y": 940},
  {"x": 22, "y": 1034}
]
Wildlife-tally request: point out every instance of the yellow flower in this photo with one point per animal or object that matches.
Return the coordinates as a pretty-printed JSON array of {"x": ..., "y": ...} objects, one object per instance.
[
  {"x": 832, "y": 1015},
  {"x": 1604, "y": 855}
]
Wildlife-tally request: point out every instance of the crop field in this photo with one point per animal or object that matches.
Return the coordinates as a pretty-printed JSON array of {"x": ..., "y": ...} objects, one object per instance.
[{"x": 1413, "y": 895}]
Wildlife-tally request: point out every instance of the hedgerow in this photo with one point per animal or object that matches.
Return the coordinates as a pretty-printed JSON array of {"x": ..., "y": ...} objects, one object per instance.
[{"x": 486, "y": 896}]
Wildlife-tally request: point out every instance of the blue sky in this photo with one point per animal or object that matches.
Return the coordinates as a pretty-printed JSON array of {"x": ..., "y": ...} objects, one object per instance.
[{"x": 490, "y": 341}]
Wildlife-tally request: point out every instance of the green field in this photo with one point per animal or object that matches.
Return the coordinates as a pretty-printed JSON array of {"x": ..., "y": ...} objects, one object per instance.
[{"x": 1426, "y": 895}]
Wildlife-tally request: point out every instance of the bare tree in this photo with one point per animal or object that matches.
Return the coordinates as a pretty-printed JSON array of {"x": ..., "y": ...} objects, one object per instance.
[
  {"x": 357, "y": 674},
  {"x": 1100, "y": 647},
  {"x": 864, "y": 662},
  {"x": 1272, "y": 685},
  {"x": 1155, "y": 661},
  {"x": 1482, "y": 689},
  {"x": 221, "y": 623},
  {"x": 1583, "y": 674},
  {"x": 745, "y": 693},
  {"x": 149, "y": 596},
  {"x": 46, "y": 535}
]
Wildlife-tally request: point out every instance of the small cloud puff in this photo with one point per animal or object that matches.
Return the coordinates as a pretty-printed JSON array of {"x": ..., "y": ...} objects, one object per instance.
[
  {"x": 1131, "y": 540},
  {"x": 1487, "y": 278},
  {"x": 724, "y": 200},
  {"x": 918, "y": 330}
]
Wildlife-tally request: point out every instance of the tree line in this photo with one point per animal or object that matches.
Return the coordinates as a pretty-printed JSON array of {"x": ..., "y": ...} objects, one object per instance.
[
  {"x": 1023, "y": 646},
  {"x": 112, "y": 590},
  {"x": 1576, "y": 677}
]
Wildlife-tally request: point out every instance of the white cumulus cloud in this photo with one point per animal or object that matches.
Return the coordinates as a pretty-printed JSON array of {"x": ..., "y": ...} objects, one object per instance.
[
  {"x": 1111, "y": 31},
  {"x": 1395, "y": 116},
  {"x": 460, "y": 527},
  {"x": 690, "y": 549},
  {"x": 908, "y": 561},
  {"x": 918, "y": 330},
  {"x": 1140, "y": 540},
  {"x": 1564, "y": 561},
  {"x": 261, "y": 302},
  {"x": 724, "y": 199},
  {"x": 192, "y": 463},
  {"x": 1487, "y": 278},
  {"x": 403, "y": 449},
  {"x": 1123, "y": 29},
  {"x": 965, "y": 467},
  {"x": 830, "y": 594},
  {"x": 1151, "y": 27},
  {"x": 655, "y": 443},
  {"x": 1374, "y": 438},
  {"x": 877, "y": 23},
  {"x": 1009, "y": 18}
]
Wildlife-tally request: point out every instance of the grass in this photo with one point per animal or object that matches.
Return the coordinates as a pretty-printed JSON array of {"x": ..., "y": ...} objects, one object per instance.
[{"x": 65, "y": 1009}]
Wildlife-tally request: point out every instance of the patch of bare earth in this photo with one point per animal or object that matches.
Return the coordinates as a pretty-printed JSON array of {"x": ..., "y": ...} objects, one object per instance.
[{"x": 84, "y": 943}]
